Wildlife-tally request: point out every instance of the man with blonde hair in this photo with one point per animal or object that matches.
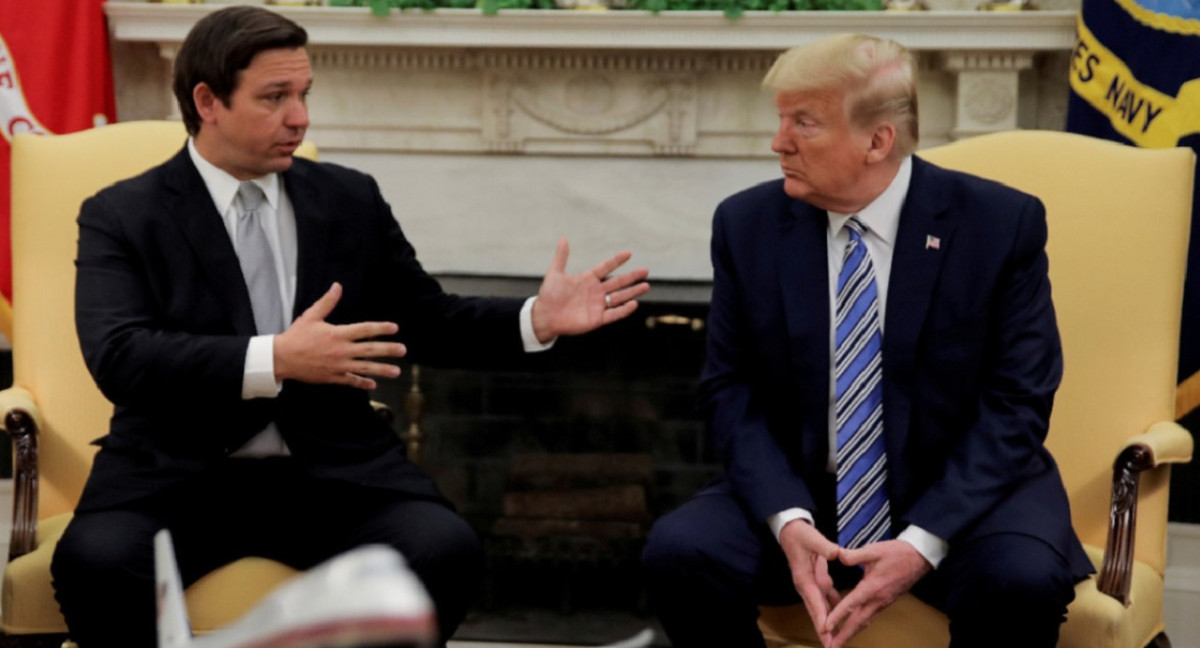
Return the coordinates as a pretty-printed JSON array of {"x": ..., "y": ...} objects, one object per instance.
[{"x": 882, "y": 360}]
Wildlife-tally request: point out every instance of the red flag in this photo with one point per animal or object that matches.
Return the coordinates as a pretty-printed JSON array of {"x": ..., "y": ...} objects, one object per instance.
[{"x": 55, "y": 77}]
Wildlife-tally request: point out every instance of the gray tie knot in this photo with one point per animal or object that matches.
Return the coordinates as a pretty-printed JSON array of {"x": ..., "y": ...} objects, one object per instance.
[{"x": 251, "y": 196}]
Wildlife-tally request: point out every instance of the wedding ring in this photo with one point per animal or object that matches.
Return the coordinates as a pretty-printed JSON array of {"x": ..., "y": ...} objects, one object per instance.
[{"x": 607, "y": 300}]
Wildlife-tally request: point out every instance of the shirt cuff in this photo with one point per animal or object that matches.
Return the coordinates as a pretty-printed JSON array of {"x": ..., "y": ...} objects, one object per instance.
[
  {"x": 258, "y": 378},
  {"x": 931, "y": 547},
  {"x": 779, "y": 520},
  {"x": 532, "y": 345}
]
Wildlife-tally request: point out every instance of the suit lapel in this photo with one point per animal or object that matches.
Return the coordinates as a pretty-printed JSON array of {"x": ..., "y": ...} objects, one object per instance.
[
  {"x": 205, "y": 233},
  {"x": 804, "y": 290},
  {"x": 924, "y": 236},
  {"x": 313, "y": 276}
]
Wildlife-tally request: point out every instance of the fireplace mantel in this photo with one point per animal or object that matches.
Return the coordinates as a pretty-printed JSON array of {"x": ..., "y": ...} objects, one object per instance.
[
  {"x": 625, "y": 29},
  {"x": 493, "y": 135}
]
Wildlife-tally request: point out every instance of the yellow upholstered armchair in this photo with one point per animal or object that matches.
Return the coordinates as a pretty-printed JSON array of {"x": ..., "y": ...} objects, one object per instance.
[
  {"x": 1118, "y": 220},
  {"x": 54, "y": 409}
]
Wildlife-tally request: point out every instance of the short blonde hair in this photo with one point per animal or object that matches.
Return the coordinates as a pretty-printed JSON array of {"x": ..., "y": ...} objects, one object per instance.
[{"x": 879, "y": 77}]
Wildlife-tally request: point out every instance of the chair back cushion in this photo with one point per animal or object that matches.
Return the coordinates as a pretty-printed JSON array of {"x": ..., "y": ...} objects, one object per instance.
[
  {"x": 52, "y": 176},
  {"x": 1118, "y": 220}
]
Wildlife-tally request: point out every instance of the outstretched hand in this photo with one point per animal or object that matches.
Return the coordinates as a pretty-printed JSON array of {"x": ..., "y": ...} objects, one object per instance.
[
  {"x": 314, "y": 351},
  {"x": 570, "y": 304}
]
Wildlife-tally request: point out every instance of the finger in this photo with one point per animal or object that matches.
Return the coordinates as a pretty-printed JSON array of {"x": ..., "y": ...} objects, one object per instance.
[
  {"x": 379, "y": 350},
  {"x": 821, "y": 546},
  {"x": 364, "y": 368},
  {"x": 324, "y": 306},
  {"x": 561, "y": 252},
  {"x": 631, "y": 293},
  {"x": 844, "y": 609},
  {"x": 625, "y": 290},
  {"x": 853, "y": 625},
  {"x": 817, "y": 611},
  {"x": 364, "y": 330},
  {"x": 352, "y": 380},
  {"x": 625, "y": 279},
  {"x": 616, "y": 313},
  {"x": 825, "y": 582},
  {"x": 605, "y": 267},
  {"x": 856, "y": 557}
]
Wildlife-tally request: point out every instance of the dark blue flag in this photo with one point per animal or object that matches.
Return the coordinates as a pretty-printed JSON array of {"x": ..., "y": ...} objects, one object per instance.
[{"x": 1135, "y": 78}]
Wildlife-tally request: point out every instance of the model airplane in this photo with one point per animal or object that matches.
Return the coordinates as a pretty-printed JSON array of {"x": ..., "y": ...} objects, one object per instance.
[{"x": 364, "y": 597}]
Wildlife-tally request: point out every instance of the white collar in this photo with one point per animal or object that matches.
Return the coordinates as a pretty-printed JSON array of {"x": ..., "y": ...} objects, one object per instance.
[
  {"x": 223, "y": 187},
  {"x": 882, "y": 215}
]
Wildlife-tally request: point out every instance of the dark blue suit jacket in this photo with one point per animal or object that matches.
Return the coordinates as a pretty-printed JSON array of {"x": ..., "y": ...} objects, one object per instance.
[
  {"x": 971, "y": 359},
  {"x": 164, "y": 319}
]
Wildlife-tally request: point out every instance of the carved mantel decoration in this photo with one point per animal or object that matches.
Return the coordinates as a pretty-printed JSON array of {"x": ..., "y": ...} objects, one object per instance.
[{"x": 610, "y": 83}]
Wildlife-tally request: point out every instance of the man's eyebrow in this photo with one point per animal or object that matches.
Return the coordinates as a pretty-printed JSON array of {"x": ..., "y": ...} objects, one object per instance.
[{"x": 282, "y": 85}]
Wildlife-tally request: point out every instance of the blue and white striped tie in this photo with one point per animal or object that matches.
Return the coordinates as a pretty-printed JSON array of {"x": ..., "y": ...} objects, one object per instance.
[{"x": 863, "y": 515}]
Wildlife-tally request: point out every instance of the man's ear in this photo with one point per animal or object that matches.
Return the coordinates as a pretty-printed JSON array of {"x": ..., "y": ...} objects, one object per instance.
[
  {"x": 205, "y": 101},
  {"x": 883, "y": 140}
]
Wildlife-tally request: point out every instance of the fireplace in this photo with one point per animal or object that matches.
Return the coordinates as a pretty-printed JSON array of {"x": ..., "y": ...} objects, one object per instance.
[{"x": 562, "y": 464}]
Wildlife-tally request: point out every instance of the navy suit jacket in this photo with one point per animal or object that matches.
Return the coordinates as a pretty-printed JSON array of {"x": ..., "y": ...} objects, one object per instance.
[
  {"x": 164, "y": 320},
  {"x": 971, "y": 359}
]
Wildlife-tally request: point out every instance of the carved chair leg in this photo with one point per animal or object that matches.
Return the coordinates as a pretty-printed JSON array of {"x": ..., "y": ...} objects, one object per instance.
[{"x": 1161, "y": 641}]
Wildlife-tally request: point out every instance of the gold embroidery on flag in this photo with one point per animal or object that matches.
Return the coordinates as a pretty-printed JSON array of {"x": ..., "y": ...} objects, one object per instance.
[{"x": 1147, "y": 117}]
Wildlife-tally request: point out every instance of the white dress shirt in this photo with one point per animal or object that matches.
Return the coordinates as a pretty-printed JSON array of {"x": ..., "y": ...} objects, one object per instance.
[
  {"x": 279, "y": 220},
  {"x": 881, "y": 222}
]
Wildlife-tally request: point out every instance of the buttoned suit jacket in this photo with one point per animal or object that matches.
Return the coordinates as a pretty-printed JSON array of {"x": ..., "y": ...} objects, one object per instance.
[
  {"x": 971, "y": 359},
  {"x": 164, "y": 320}
]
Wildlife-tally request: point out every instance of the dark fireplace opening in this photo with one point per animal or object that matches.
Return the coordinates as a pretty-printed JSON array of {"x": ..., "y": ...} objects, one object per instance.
[{"x": 561, "y": 465}]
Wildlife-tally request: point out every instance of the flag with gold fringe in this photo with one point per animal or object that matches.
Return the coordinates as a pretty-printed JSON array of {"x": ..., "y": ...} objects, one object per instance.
[
  {"x": 55, "y": 77},
  {"x": 1135, "y": 78}
]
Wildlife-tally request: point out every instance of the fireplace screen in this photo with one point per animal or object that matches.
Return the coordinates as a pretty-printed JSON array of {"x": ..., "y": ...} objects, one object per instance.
[{"x": 562, "y": 465}]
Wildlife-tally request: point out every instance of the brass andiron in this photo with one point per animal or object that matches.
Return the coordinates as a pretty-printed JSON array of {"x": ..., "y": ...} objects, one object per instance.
[{"x": 414, "y": 411}]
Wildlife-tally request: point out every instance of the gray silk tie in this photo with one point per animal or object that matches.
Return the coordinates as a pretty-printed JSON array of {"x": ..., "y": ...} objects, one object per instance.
[{"x": 258, "y": 262}]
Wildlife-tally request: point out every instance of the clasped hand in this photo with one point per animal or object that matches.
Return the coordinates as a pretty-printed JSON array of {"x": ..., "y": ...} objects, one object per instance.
[{"x": 890, "y": 568}]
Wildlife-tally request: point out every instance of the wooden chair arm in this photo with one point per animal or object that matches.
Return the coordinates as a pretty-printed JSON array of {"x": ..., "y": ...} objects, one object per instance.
[
  {"x": 1163, "y": 443},
  {"x": 21, "y": 420},
  {"x": 1167, "y": 442}
]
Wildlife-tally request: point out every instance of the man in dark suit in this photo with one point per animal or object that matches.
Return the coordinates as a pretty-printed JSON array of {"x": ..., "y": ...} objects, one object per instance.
[
  {"x": 882, "y": 360},
  {"x": 242, "y": 430}
]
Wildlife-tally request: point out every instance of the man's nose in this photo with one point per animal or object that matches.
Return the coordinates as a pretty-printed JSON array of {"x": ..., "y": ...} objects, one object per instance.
[
  {"x": 781, "y": 143},
  {"x": 297, "y": 115}
]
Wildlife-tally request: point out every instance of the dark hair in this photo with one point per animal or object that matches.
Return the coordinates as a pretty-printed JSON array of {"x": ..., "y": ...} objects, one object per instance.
[{"x": 221, "y": 45}]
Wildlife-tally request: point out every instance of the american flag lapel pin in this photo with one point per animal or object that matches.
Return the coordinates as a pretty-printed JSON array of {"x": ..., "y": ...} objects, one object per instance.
[{"x": 932, "y": 242}]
